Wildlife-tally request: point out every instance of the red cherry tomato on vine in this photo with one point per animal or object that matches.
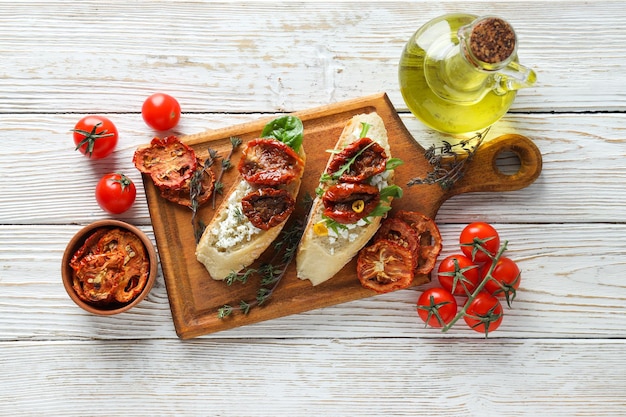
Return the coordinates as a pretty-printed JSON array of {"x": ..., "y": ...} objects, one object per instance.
[
  {"x": 458, "y": 274},
  {"x": 161, "y": 111},
  {"x": 436, "y": 306},
  {"x": 507, "y": 279},
  {"x": 484, "y": 313},
  {"x": 479, "y": 234},
  {"x": 95, "y": 136},
  {"x": 115, "y": 193}
]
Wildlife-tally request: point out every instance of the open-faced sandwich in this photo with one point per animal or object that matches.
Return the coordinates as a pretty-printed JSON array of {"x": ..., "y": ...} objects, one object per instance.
[
  {"x": 354, "y": 194},
  {"x": 256, "y": 208}
]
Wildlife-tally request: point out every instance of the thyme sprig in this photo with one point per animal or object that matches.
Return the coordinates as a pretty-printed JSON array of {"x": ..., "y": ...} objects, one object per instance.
[
  {"x": 226, "y": 164},
  {"x": 195, "y": 189},
  {"x": 195, "y": 184},
  {"x": 448, "y": 161},
  {"x": 271, "y": 273}
]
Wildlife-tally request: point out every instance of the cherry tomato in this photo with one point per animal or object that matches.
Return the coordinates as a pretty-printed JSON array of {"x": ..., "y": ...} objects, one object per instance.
[
  {"x": 478, "y": 237},
  {"x": 506, "y": 279},
  {"x": 115, "y": 193},
  {"x": 484, "y": 313},
  {"x": 95, "y": 136},
  {"x": 437, "y": 307},
  {"x": 385, "y": 266},
  {"x": 458, "y": 274},
  {"x": 161, "y": 111}
]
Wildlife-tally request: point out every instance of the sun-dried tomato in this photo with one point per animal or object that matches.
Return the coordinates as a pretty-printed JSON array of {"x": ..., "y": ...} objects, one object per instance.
[
  {"x": 269, "y": 162},
  {"x": 396, "y": 230},
  {"x": 358, "y": 161},
  {"x": 182, "y": 196},
  {"x": 429, "y": 239},
  {"x": 112, "y": 266},
  {"x": 347, "y": 202},
  {"x": 268, "y": 207},
  {"x": 168, "y": 161},
  {"x": 385, "y": 266}
]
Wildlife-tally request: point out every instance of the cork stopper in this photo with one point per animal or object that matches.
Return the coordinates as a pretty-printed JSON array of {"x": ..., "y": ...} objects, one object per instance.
[{"x": 492, "y": 40}]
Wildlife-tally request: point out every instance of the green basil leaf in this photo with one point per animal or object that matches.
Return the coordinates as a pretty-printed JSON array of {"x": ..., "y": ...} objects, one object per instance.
[{"x": 287, "y": 129}]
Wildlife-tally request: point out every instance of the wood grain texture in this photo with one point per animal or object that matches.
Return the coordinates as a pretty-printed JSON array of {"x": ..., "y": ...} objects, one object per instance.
[
  {"x": 279, "y": 379},
  {"x": 307, "y": 54},
  {"x": 560, "y": 350}
]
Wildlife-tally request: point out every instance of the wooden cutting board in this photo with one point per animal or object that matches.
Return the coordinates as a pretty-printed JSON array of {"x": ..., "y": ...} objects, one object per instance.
[{"x": 195, "y": 298}]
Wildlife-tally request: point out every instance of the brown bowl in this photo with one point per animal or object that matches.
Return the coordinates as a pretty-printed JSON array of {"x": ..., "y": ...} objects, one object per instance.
[{"x": 77, "y": 242}]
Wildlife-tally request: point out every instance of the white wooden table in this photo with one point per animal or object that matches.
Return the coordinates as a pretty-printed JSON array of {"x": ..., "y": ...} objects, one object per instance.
[{"x": 560, "y": 350}]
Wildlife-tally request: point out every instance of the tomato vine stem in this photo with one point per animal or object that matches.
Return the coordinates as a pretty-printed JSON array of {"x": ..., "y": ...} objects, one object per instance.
[{"x": 479, "y": 287}]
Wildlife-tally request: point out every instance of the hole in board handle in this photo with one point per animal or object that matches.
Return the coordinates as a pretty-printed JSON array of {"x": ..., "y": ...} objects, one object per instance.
[{"x": 508, "y": 162}]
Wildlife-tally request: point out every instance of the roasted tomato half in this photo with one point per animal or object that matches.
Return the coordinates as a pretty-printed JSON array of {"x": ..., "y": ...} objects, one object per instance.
[
  {"x": 347, "y": 202},
  {"x": 358, "y": 161},
  {"x": 111, "y": 266},
  {"x": 385, "y": 266},
  {"x": 168, "y": 161},
  {"x": 429, "y": 239},
  {"x": 400, "y": 232},
  {"x": 203, "y": 185},
  {"x": 268, "y": 207},
  {"x": 269, "y": 162}
]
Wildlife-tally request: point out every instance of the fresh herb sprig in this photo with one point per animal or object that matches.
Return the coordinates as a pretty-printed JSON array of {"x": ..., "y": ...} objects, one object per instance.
[
  {"x": 448, "y": 161},
  {"x": 195, "y": 189},
  {"x": 195, "y": 184},
  {"x": 334, "y": 176},
  {"x": 226, "y": 164},
  {"x": 271, "y": 273}
]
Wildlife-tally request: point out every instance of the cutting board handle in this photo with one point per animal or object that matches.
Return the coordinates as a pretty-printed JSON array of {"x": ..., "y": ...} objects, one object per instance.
[{"x": 484, "y": 175}]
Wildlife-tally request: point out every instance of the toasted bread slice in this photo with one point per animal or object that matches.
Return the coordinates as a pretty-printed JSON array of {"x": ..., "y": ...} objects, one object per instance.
[
  {"x": 321, "y": 255},
  {"x": 230, "y": 241}
]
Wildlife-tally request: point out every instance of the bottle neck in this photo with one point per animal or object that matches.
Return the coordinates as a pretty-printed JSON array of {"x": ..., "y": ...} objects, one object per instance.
[{"x": 470, "y": 69}]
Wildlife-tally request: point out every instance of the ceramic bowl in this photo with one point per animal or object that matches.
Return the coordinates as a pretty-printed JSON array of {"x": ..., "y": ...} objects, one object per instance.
[{"x": 77, "y": 242}]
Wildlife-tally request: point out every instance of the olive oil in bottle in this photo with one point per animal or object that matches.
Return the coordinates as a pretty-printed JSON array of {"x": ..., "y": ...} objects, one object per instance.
[{"x": 459, "y": 73}]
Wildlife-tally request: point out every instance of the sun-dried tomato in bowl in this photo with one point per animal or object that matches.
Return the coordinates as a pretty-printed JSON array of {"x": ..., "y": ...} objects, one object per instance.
[{"x": 108, "y": 267}]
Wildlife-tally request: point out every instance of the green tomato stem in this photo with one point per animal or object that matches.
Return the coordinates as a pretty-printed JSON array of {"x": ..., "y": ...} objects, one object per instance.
[{"x": 479, "y": 288}]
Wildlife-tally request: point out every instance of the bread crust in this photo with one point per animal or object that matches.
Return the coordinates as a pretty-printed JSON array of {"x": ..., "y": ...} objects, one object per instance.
[
  {"x": 216, "y": 250},
  {"x": 319, "y": 258}
]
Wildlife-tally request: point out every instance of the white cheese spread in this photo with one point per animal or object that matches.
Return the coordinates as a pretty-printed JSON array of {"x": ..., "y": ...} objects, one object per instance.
[{"x": 234, "y": 227}]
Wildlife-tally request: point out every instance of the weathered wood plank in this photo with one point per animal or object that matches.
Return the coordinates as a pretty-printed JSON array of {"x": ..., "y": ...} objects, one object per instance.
[
  {"x": 338, "y": 377},
  {"x": 222, "y": 57},
  {"x": 582, "y": 178}
]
